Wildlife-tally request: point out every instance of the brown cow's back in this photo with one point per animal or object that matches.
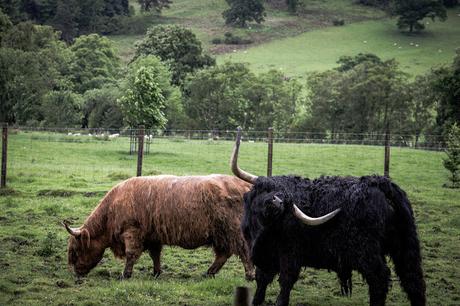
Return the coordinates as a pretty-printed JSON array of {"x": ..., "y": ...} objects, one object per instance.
[{"x": 187, "y": 211}]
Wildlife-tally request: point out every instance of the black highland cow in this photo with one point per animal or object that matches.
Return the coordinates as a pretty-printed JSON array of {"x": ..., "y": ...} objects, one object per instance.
[{"x": 365, "y": 219}]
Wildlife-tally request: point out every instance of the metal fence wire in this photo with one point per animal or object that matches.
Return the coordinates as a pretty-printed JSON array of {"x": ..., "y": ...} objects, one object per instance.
[{"x": 208, "y": 151}]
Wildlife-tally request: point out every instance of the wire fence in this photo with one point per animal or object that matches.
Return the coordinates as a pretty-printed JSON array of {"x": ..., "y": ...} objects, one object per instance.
[{"x": 107, "y": 155}]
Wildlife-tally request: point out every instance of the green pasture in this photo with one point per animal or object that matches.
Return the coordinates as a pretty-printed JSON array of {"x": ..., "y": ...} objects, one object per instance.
[
  {"x": 204, "y": 17},
  {"x": 320, "y": 49},
  {"x": 53, "y": 177}
]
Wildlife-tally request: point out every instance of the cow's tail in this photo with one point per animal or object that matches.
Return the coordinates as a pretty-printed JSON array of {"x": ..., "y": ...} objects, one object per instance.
[{"x": 404, "y": 244}]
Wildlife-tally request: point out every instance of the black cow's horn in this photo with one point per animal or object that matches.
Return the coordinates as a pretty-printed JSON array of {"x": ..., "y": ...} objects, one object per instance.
[
  {"x": 314, "y": 221},
  {"x": 245, "y": 176},
  {"x": 72, "y": 231}
]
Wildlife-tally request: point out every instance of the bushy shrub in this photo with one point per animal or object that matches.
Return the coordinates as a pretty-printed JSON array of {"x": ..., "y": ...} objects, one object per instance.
[
  {"x": 452, "y": 160},
  {"x": 338, "y": 22}
]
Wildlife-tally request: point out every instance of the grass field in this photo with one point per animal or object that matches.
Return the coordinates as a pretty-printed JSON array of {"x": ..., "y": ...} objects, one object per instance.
[
  {"x": 319, "y": 50},
  {"x": 51, "y": 178}
]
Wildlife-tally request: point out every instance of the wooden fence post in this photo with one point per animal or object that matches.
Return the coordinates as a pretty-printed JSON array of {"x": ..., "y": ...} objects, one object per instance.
[
  {"x": 242, "y": 297},
  {"x": 270, "y": 152},
  {"x": 4, "y": 153},
  {"x": 140, "y": 150},
  {"x": 386, "y": 166}
]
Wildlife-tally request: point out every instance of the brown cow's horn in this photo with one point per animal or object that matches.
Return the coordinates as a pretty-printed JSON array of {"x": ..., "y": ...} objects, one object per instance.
[
  {"x": 72, "y": 231},
  {"x": 245, "y": 176},
  {"x": 314, "y": 221}
]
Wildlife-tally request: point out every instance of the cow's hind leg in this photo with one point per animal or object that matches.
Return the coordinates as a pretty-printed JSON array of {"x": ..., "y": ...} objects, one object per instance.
[
  {"x": 155, "y": 254},
  {"x": 219, "y": 260},
  {"x": 263, "y": 279},
  {"x": 243, "y": 254},
  {"x": 377, "y": 275},
  {"x": 133, "y": 250}
]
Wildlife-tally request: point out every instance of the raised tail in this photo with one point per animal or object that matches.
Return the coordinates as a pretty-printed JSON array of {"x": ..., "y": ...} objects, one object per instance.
[{"x": 404, "y": 244}]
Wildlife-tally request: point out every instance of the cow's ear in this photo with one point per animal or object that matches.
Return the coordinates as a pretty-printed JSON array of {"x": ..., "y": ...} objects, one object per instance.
[{"x": 85, "y": 238}]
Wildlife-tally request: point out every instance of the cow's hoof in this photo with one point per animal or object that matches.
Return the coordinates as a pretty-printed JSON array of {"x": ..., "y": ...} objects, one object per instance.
[
  {"x": 157, "y": 273},
  {"x": 209, "y": 275},
  {"x": 250, "y": 277}
]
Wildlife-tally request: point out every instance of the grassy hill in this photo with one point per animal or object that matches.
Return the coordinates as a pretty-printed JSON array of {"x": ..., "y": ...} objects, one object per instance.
[
  {"x": 204, "y": 17},
  {"x": 320, "y": 49},
  {"x": 308, "y": 41}
]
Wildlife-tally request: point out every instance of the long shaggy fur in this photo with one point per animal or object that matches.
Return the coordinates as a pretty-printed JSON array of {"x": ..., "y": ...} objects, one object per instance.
[
  {"x": 375, "y": 220},
  {"x": 190, "y": 211}
]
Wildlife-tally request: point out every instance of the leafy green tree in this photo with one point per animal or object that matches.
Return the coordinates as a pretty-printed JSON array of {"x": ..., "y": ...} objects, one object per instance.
[
  {"x": 452, "y": 160},
  {"x": 12, "y": 8},
  {"x": 33, "y": 62},
  {"x": 243, "y": 11},
  {"x": 66, "y": 19},
  {"x": 157, "y": 5},
  {"x": 349, "y": 62},
  {"x": 101, "y": 109},
  {"x": 5, "y": 24},
  {"x": 173, "y": 110},
  {"x": 61, "y": 109},
  {"x": 273, "y": 101},
  {"x": 446, "y": 88},
  {"x": 411, "y": 12},
  {"x": 96, "y": 63},
  {"x": 369, "y": 97},
  {"x": 143, "y": 103},
  {"x": 423, "y": 106},
  {"x": 215, "y": 97},
  {"x": 176, "y": 46}
]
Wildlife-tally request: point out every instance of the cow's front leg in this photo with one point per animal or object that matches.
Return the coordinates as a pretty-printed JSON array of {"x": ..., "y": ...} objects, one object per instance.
[
  {"x": 263, "y": 279},
  {"x": 133, "y": 250},
  {"x": 155, "y": 253},
  {"x": 289, "y": 273}
]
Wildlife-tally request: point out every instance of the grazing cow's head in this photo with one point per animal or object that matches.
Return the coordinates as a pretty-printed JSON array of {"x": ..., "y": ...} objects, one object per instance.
[{"x": 82, "y": 252}]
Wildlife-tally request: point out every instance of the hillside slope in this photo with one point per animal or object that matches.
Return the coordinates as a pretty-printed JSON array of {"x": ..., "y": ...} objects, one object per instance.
[{"x": 319, "y": 50}]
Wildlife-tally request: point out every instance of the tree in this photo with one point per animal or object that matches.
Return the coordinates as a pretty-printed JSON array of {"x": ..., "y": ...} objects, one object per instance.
[
  {"x": 243, "y": 11},
  {"x": 411, "y": 12},
  {"x": 452, "y": 160},
  {"x": 101, "y": 109},
  {"x": 368, "y": 97},
  {"x": 61, "y": 109},
  {"x": 143, "y": 103},
  {"x": 95, "y": 64},
  {"x": 66, "y": 19},
  {"x": 176, "y": 46},
  {"x": 349, "y": 62},
  {"x": 33, "y": 61},
  {"x": 173, "y": 109},
  {"x": 446, "y": 88},
  {"x": 423, "y": 106},
  {"x": 158, "y": 5},
  {"x": 215, "y": 97},
  {"x": 273, "y": 101}
]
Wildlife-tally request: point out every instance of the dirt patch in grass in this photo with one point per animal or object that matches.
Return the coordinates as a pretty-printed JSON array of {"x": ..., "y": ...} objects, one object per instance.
[
  {"x": 56, "y": 193},
  {"x": 8, "y": 191}
]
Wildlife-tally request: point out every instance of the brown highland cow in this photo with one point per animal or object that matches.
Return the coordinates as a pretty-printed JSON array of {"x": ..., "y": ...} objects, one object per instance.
[{"x": 145, "y": 213}]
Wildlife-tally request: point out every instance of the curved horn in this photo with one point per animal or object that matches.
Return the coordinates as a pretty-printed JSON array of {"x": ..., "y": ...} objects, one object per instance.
[
  {"x": 314, "y": 221},
  {"x": 72, "y": 231},
  {"x": 245, "y": 176}
]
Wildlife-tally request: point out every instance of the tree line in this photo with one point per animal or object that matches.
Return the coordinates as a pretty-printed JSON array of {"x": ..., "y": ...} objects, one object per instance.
[
  {"x": 80, "y": 17},
  {"x": 172, "y": 84}
]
